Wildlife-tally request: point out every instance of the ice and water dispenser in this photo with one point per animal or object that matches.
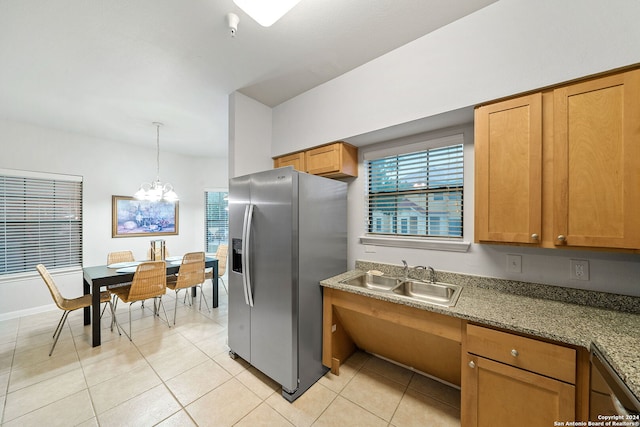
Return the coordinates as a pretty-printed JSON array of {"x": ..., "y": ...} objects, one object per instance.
[{"x": 236, "y": 255}]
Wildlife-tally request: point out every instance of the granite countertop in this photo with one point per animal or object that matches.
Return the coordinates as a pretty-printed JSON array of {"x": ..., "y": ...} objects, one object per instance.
[{"x": 565, "y": 315}]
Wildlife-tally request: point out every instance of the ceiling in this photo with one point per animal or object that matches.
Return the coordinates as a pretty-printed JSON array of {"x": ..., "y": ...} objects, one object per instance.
[{"x": 108, "y": 69}]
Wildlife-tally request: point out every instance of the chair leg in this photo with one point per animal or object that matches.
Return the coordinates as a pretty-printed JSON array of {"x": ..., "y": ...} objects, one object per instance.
[
  {"x": 175, "y": 309},
  {"x": 59, "y": 324},
  {"x": 205, "y": 299},
  {"x": 59, "y": 331},
  {"x": 161, "y": 304},
  {"x": 184, "y": 301},
  {"x": 224, "y": 285},
  {"x": 130, "y": 334},
  {"x": 113, "y": 317}
]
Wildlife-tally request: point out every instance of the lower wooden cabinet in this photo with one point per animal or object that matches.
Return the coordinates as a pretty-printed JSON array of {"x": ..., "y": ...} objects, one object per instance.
[
  {"x": 496, "y": 394},
  {"x": 512, "y": 380}
]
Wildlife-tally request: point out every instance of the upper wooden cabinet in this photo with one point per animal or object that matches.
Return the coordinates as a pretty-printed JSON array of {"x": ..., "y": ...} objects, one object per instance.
[
  {"x": 336, "y": 160},
  {"x": 597, "y": 162},
  {"x": 561, "y": 167},
  {"x": 508, "y": 150},
  {"x": 296, "y": 160}
]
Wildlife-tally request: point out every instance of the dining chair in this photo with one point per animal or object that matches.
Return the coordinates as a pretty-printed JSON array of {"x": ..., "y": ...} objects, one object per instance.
[
  {"x": 115, "y": 257},
  {"x": 221, "y": 256},
  {"x": 149, "y": 281},
  {"x": 68, "y": 305},
  {"x": 119, "y": 256},
  {"x": 190, "y": 274}
]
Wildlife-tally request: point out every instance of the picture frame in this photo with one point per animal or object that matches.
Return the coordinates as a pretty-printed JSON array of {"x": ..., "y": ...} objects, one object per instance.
[{"x": 131, "y": 217}]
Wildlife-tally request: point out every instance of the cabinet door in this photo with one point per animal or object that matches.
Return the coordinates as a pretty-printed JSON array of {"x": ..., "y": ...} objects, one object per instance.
[
  {"x": 500, "y": 395},
  {"x": 597, "y": 162},
  {"x": 508, "y": 180},
  {"x": 323, "y": 160},
  {"x": 296, "y": 160}
]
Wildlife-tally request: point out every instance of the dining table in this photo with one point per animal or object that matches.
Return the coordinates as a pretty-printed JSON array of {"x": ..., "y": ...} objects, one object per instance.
[{"x": 101, "y": 276}]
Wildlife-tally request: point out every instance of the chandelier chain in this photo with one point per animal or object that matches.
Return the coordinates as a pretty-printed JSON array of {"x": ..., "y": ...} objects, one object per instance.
[{"x": 158, "y": 150}]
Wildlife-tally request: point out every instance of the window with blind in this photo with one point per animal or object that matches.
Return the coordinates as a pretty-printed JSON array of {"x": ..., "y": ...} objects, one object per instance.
[
  {"x": 216, "y": 219},
  {"x": 417, "y": 194},
  {"x": 40, "y": 222}
]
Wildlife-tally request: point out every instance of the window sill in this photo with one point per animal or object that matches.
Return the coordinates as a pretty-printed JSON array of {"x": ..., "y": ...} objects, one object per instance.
[
  {"x": 400, "y": 242},
  {"x": 31, "y": 275}
]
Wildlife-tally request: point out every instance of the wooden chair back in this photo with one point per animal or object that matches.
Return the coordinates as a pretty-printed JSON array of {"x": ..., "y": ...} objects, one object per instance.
[
  {"x": 221, "y": 255},
  {"x": 191, "y": 271},
  {"x": 119, "y": 256},
  {"x": 149, "y": 280},
  {"x": 53, "y": 289}
]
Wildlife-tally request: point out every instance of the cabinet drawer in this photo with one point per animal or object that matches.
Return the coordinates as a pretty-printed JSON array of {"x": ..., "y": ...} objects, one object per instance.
[{"x": 545, "y": 358}]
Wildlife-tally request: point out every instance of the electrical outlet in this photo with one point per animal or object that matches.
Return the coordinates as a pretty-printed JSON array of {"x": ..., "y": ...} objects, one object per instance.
[
  {"x": 579, "y": 269},
  {"x": 514, "y": 263}
]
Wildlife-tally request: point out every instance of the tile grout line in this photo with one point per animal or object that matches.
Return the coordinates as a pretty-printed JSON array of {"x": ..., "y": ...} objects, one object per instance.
[
  {"x": 13, "y": 357},
  {"x": 84, "y": 376}
]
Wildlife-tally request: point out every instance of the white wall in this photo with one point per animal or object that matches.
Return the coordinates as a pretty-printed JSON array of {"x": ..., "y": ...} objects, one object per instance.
[
  {"x": 108, "y": 168},
  {"x": 509, "y": 47},
  {"x": 249, "y": 135}
]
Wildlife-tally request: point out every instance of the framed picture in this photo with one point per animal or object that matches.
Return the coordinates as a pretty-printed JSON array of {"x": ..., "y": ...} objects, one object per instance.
[{"x": 133, "y": 218}]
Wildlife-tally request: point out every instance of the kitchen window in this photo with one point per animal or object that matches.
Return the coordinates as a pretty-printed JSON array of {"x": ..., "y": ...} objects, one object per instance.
[
  {"x": 40, "y": 221},
  {"x": 416, "y": 194},
  {"x": 216, "y": 219}
]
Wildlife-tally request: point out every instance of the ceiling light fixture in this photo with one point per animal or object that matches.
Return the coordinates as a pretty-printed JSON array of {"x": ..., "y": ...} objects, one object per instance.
[
  {"x": 156, "y": 191},
  {"x": 266, "y": 12}
]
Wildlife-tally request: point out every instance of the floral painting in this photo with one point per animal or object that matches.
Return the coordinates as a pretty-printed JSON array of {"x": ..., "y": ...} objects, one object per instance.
[{"x": 132, "y": 217}]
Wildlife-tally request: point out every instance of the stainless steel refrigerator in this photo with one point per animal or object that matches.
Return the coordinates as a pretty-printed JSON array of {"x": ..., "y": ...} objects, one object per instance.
[{"x": 287, "y": 231}]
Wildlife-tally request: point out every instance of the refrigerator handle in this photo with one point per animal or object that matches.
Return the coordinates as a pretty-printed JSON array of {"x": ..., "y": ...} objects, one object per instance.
[
  {"x": 243, "y": 254},
  {"x": 246, "y": 258}
]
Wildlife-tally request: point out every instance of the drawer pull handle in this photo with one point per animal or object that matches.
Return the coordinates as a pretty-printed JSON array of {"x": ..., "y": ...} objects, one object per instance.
[
  {"x": 562, "y": 238},
  {"x": 514, "y": 353},
  {"x": 534, "y": 236},
  {"x": 472, "y": 364}
]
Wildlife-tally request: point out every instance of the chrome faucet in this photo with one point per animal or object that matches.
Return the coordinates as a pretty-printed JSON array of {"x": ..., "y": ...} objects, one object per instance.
[
  {"x": 432, "y": 275},
  {"x": 406, "y": 270}
]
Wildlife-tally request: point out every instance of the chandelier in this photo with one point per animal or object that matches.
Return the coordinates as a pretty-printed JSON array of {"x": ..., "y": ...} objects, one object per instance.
[{"x": 156, "y": 190}]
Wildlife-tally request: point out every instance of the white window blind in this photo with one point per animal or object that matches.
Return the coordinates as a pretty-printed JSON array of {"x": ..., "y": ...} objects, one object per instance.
[
  {"x": 216, "y": 219},
  {"x": 417, "y": 194},
  {"x": 40, "y": 223}
]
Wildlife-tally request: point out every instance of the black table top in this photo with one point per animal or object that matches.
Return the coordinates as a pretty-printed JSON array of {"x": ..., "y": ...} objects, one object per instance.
[{"x": 101, "y": 275}]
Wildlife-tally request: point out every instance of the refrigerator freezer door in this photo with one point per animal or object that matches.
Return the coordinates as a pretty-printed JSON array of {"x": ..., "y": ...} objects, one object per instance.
[
  {"x": 239, "y": 311},
  {"x": 273, "y": 260}
]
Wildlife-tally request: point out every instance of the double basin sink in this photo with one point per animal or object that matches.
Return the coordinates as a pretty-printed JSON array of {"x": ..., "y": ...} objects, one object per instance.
[{"x": 442, "y": 294}]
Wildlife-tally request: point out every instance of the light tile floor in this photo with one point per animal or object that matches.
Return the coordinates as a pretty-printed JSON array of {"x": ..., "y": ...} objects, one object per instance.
[{"x": 183, "y": 376}]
